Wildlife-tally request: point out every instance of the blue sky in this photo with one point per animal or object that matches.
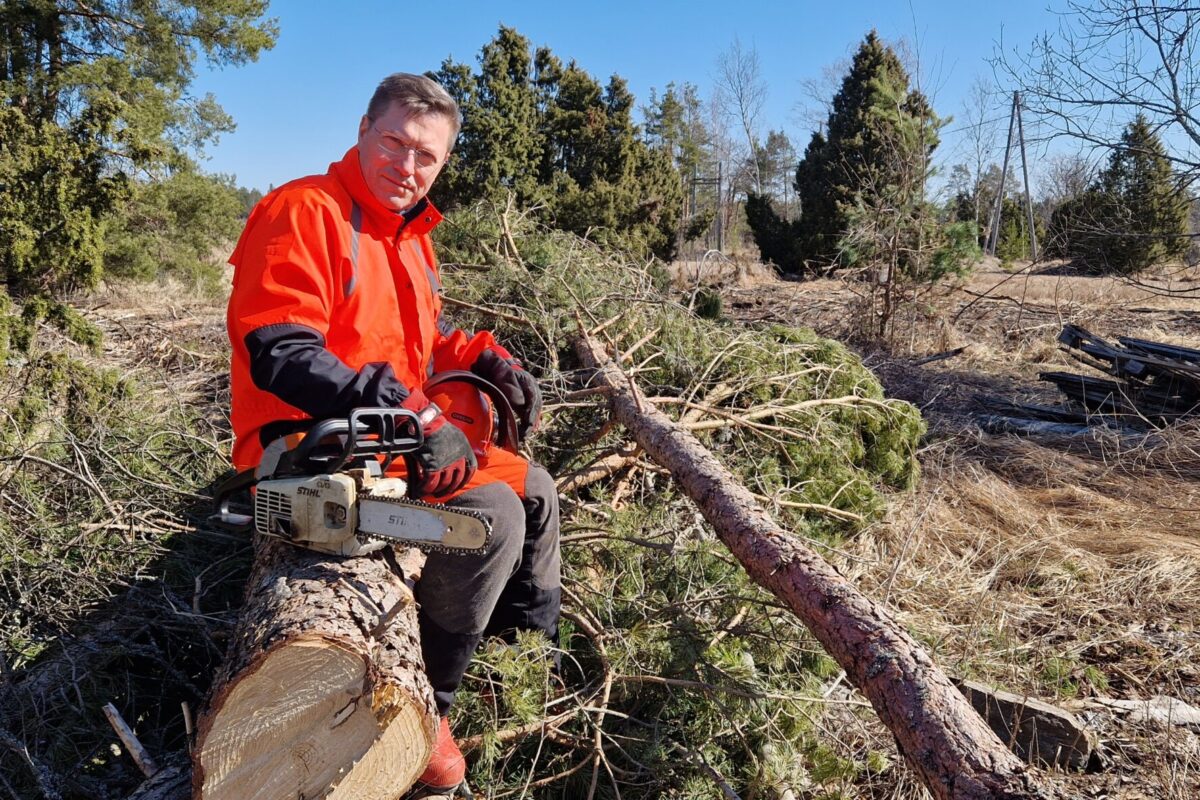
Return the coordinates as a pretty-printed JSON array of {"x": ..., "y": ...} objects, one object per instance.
[{"x": 298, "y": 107}]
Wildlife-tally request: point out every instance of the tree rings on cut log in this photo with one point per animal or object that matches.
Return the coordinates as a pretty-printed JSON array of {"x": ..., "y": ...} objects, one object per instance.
[
  {"x": 310, "y": 713},
  {"x": 323, "y": 694}
]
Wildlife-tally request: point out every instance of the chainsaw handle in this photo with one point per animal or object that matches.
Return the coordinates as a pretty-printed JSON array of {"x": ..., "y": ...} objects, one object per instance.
[
  {"x": 397, "y": 431},
  {"x": 230, "y": 488}
]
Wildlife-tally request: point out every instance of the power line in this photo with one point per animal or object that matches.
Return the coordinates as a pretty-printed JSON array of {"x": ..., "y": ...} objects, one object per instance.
[{"x": 975, "y": 125}]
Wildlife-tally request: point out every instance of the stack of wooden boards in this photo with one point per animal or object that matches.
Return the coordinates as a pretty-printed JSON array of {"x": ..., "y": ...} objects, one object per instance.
[{"x": 1150, "y": 384}]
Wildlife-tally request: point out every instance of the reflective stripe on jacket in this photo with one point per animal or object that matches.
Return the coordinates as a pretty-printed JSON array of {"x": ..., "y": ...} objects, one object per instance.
[{"x": 335, "y": 304}]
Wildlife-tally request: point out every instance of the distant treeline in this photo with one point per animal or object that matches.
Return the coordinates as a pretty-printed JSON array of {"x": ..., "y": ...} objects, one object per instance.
[{"x": 99, "y": 135}]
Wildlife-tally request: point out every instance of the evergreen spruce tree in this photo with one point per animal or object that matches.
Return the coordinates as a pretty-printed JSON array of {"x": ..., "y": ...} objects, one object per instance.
[
  {"x": 874, "y": 115},
  {"x": 555, "y": 138},
  {"x": 773, "y": 235},
  {"x": 500, "y": 145},
  {"x": 1012, "y": 244},
  {"x": 1143, "y": 211},
  {"x": 857, "y": 153}
]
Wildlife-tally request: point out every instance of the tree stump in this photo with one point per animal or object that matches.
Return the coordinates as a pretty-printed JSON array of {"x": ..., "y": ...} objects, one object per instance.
[{"x": 323, "y": 692}]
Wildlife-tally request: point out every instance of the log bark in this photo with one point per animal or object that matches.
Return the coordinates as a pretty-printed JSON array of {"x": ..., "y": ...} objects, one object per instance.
[
  {"x": 323, "y": 692},
  {"x": 944, "y": 741}
]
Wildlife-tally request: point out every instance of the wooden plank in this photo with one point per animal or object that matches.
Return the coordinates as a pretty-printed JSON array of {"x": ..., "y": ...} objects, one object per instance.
[{"x": 1036, "y": 731}]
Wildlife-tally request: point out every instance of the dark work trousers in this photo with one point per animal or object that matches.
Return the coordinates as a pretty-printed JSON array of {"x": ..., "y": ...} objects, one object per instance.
[{"x": 515, "y": 585}]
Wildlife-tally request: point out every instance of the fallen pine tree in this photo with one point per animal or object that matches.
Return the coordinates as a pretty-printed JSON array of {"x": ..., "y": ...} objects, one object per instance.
[{"x": 941, "y": 736}]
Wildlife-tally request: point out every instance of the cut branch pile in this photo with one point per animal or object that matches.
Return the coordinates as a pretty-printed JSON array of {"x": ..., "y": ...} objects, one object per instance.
[{"x": 941, "y": 736}]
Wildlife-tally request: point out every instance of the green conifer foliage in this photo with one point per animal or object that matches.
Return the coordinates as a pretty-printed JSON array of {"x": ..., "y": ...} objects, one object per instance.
[
  {"x": 1013, "y": 242},
  {"x": 774, "y": 236},
  {"x": 553, "y": 137},
  {"x": 1144, "y": 211},
  {"x": 1134, "y": 215},
  {"x": 500, "y": 144},
  {"x": 873, "y": 109},
  {"x": 89, "y": 95},
  {"x": 174, "y": 226},
  {"x": 657, "y": 584}
]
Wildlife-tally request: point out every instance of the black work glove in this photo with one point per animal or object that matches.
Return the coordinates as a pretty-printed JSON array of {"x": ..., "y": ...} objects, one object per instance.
[
  {"x": 519, "y": 388},
  {"x": 445, "y": 461}
]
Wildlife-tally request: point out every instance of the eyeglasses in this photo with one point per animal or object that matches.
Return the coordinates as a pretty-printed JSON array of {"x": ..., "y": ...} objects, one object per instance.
[{"x": 395, "y": 146}]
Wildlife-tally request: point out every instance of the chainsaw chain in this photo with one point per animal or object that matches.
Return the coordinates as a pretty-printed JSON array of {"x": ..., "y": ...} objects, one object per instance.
[{"x": 428, "y": 547}]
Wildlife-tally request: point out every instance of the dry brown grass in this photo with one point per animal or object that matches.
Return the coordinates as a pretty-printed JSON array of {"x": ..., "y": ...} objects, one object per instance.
[
  {"x": 1065, "y": 569},
  {"x": 1055, "y": 575},
  {"x": 716, "y": 269}
]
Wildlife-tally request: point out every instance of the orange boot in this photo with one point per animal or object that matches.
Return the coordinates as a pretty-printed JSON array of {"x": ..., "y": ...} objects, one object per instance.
[{"x": 447, "y": 768}]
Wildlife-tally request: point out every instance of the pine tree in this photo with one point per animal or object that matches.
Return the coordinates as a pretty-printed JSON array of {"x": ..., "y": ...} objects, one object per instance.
[
  {"x": 91, "y": 94},
  {"x": 776, "y": 162},
  {"x": 674, "y": 126},
  {"x": 673, "y": 123}
]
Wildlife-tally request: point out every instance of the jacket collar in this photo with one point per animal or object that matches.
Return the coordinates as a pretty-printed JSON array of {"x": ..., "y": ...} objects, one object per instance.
[{"x": 416, "y": 221}]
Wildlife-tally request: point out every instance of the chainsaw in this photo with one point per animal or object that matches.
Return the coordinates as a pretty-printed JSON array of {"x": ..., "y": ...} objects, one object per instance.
[{"x": 328, "y": 489}]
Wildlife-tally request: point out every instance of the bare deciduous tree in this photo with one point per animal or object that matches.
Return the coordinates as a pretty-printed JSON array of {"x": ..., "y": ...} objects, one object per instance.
[
  {"x": 1110, "y": 60},
  {"x": 980, "y": 140},
  {"x": 740, "y": 95},
  {"x": 1065, "y": 176},
  {"x": 816, "y": 103}
]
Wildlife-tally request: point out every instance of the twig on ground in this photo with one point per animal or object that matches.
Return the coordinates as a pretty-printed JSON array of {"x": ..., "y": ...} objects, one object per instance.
[{"x": 132, "y": 744}]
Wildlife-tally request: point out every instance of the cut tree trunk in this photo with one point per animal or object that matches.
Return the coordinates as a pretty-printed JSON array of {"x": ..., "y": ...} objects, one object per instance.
[
  {"x": 950, "y": 748},
  {"x": 323, "y": 692}
]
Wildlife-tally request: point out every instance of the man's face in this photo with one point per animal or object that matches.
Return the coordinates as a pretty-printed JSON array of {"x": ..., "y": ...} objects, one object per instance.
[{"x": 401, "y": 153}]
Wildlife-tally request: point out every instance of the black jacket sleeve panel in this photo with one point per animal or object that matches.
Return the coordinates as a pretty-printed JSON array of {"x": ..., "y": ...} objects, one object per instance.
[{"x": 291, "y": 362}]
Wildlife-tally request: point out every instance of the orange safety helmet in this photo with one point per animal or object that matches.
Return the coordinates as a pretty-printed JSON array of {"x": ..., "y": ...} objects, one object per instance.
[{"x": 474, "y": 406}]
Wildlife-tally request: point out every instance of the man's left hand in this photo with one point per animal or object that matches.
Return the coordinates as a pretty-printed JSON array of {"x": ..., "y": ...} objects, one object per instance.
[{"x": 518, "y": 387}]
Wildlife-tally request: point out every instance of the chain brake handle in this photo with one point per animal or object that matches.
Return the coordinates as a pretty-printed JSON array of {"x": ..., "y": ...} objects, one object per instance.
[{"x": 365, "y": 433}]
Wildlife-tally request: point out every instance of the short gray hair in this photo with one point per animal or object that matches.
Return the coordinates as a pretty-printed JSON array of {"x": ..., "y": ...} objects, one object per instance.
[{"x": 417, "y": 93}]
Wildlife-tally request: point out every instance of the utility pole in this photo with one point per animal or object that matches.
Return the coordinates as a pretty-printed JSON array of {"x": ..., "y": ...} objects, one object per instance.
[
  {"x": 993, "y": 234},
  {"x": 720, "y": 208},
  {"x": 1033, "y": 243},
  {"x": 718, "y": 182},
  {"x": 1014, "y": 121}
]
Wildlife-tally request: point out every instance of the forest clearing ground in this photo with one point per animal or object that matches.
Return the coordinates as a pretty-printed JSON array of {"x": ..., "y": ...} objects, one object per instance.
[{"x": 1063, "y": 569}]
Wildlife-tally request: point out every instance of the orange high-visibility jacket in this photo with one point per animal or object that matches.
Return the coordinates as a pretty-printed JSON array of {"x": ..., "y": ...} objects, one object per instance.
[{"x": 335, "y": 305}]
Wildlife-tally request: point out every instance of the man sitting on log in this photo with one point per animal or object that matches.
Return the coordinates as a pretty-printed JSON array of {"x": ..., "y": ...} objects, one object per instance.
[{"x": 336, "y": 306}]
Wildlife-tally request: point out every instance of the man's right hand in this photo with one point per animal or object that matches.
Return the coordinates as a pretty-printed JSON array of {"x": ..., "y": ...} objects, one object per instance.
[{"x": 445, "y": 461}]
